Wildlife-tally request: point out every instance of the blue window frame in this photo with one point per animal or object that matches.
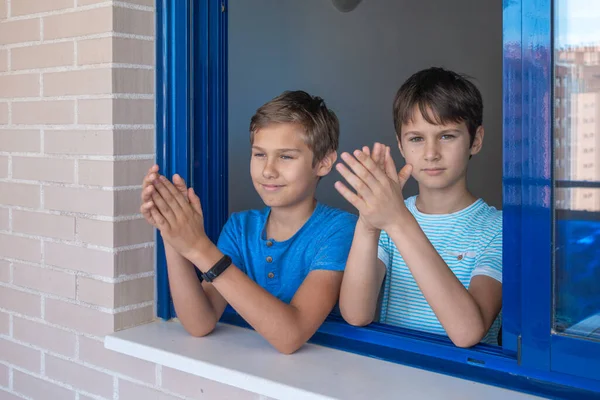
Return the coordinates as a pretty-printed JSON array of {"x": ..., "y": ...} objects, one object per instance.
[{"x": 192, "y": 141}]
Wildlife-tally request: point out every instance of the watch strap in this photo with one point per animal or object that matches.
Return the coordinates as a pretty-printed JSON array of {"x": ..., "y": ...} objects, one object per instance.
[{"x": 217, "y": 269}]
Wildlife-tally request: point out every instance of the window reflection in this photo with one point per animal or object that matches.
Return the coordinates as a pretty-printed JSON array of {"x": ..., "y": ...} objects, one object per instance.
[{"x": 577, "y": 169}]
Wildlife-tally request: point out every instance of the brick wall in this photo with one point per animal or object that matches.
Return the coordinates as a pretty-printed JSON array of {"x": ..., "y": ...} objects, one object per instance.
[{"x": 76, "y": 259}]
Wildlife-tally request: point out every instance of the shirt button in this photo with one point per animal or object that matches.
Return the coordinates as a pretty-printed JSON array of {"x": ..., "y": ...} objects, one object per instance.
[
  {"x": 269, "y": 243},
  {"x": 271, "y": 275},
  {"x": 269, "y": 259}
]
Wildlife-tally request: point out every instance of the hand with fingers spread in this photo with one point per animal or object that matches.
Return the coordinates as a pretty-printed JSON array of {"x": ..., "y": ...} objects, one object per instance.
[
  {"x": 378, "y": 196},
  {"x": 179, "y": 218},
  {"x": 378, "y": 156}
]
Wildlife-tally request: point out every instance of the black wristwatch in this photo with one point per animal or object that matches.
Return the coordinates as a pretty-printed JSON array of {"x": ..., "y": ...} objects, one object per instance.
[{"x": 217, "y": 269}]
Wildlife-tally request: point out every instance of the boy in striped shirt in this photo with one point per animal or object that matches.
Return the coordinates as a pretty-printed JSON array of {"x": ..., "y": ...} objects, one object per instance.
[{"x": 437, "y": 256}]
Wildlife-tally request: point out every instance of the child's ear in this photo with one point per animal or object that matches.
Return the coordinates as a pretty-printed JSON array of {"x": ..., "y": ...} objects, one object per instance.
[
  {"x": 477, "y": 141},
  {"x": 400, "y": 147},
  {"x": 326, "y": 164}
]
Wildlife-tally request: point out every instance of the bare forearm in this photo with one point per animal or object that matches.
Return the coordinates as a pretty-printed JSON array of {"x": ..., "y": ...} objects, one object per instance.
[
  {"x": 279, "y": 323},
  {"x": 451, "y": 302},
  {"x": 193, "y": 307},
  {"x": 362, "y": 279}
]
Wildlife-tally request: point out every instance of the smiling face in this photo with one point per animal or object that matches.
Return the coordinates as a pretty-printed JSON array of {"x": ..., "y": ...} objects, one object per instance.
[
  {"x": 282, "y": 167},
  {"x": 439, "y": 154}
]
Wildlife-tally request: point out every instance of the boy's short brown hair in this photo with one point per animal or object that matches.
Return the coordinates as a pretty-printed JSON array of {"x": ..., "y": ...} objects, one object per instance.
[
  {"x": 441, "y": 96},
  {"x": 321, "y": 125}
]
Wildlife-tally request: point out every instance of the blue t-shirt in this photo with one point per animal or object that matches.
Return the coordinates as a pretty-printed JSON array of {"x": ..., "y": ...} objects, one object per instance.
[{"x": 323, "y": 242}]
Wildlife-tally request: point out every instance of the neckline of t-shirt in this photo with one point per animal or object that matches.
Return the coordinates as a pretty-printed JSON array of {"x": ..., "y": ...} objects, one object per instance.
[
  {"x": 412, "y": 206},
  {"x": 267, "y": 212}
]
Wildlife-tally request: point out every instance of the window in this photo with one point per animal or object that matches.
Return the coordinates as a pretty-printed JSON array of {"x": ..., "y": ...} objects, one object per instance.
[{"x": 192, "y": 124}]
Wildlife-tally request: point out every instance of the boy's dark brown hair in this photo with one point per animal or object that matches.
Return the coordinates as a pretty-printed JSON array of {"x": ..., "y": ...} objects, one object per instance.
[
  {"x": 442, "y": 96},
  {"x": 321, "y": 125}
]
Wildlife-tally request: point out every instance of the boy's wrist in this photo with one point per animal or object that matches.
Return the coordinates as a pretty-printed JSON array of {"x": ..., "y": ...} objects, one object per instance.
[
  {"x": 367, "y": 229},
  {"x": 204, "y": 255}
]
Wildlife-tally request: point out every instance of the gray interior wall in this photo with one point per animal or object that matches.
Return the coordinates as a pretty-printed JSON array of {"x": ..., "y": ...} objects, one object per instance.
[{"x": 356, "y": 61}]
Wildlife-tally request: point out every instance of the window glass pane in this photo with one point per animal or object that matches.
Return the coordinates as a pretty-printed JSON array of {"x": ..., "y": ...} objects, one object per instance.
[{"x": 577, "y": 168}]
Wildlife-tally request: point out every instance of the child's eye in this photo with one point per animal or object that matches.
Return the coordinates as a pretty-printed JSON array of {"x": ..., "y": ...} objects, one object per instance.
[
  {"x": 415, "y": 139},
  {"x": 258, "y": 155},
  {"x": 287, "y": 157},
  {"x": 448, "y": 137}
]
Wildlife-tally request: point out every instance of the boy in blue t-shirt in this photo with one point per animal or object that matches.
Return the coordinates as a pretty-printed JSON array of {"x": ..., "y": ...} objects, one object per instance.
[
  {"x": 438, "y": 255},
  {"x": 281, "y": 267}
]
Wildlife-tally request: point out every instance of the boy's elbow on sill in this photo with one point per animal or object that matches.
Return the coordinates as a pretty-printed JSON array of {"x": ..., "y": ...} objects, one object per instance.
[
  {"x": 468, "y": 338},
  {"x": 198, "y": 330},
  {"x": 356, "y": 319}
]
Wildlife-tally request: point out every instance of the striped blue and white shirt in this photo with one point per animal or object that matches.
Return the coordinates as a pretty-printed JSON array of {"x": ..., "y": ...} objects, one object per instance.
[{"x": 469, "y": 241}]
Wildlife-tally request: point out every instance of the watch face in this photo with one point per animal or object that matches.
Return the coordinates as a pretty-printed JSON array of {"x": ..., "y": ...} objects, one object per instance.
[{"x": 345, "y": 5}]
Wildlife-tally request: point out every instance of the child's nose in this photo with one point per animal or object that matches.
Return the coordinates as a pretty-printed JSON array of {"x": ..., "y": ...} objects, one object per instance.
[{"x": 270, "y": 170}]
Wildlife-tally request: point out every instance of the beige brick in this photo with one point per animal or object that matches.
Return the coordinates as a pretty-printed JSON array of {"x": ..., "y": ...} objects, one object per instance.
[
  {"x": 95, "y": 51},
  {"x": 3, "y": 9},
  {"x": 21, "y": 302},
  {"x": 97, "y": 111},
  {"x": 3, "y": 59},
  {"x": 79, "y": 23},
  {"x": 92, "y": 201},
  {"x": 21, "y": 356},
  {"x": 88, "y": 82},
  {"x": 116, "y": 111},
  {"x": 117, "y": 50},
  {"x": 80, "y": 318},
  {"x": 130, "y": 391},
  {"x": 44, "y": 336},
  {"x": 43, "y": 56},
  {"x": 20, "y": 194},
  {"x": 20, "y": 248},
  {"x": 127, "y": 202},
  {"x": 131, "y": 80},
  {"x": 4, "y": 371},
  {"x": 93, "y": 352},
  {"x": 115, "y": 295},
  {"x": 4, "y": 326},
  {"x": 26, "y": 30},
  {"x": 22, "y": 85},
  {"x": 198, "y": 387},
  {"x": 133, "y": 51},
  {"x": 4, "y": 223},
  {"x": 135, "y": 317},
  {"x": 79, "y": 376},
  {"x": 3, "y": 166},
  {"x": 133, "y": 111},
  {"x": 81, "y": 3},
  {"x": 4, "y": 271},
  {"x": 137, "y": 22},
  {"x": 3, "y": 114},
  {"x": 26, "y": 141},
  {"x": 148, "y": 3},
  {"x": 114, "y": 234},
  {"x": 9, "y": 396},
  {"x": 78, "y": 142},
  {"x": 96, "y": 292},
  {"x": 113, "y": 173},
  {"x": 136, "y": 261},
  {"x": 25, "y": 7},
  {"x": 78, "y": 258},
  {"x": 44, "y": 169},
  {"x": 45, "y": 280},
  {"x": 59, "y": 112},
  {"x": 34, "y": 223},
  {"x": 38, "y": 389}
]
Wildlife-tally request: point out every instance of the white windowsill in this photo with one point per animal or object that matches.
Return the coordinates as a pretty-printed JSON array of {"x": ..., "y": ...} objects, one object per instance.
[{"x": 240, "y": 357}]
